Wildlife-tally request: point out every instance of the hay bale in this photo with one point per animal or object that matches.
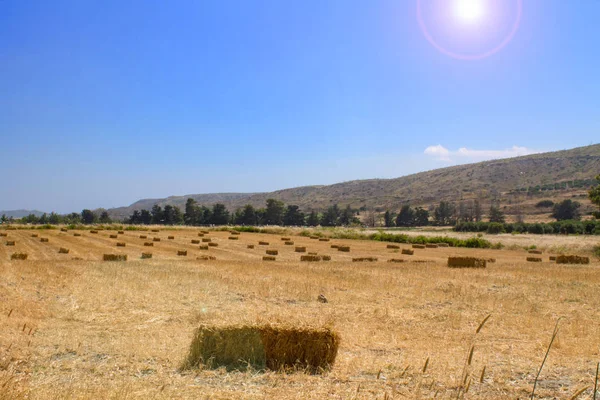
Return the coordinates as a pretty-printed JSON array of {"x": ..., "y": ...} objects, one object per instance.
[
  {"x": 77, "y": 234},
  {"x": 285, "y": 239},
  {"x": 268, "y": 258},
  {"x": 300, "y": 249},
  {"x": 233, "y": 238},
  {"x": 535, "y": 252},
  {"x": 113, "y": 236},
  {"x": 121, "y": 244},
  {"x": 44, "y": 240},
  {"x": 146, "y": 256},
  {"x": 63, "y": 250},
  {"x": 171, "y": 237},
  {"x": 115, "y": 257},
  {"x": 149, "y": 244},
  {"x": 205, "y": 232},
  {"x": 272, "y": 252},
  {"x": 364, "y": 259},
  {"x": 263, "y": 347},
  {"x": 314, "y": 237},
  {"x": 310, "y": 258},
  {"x": 18, "y": 256},
  {"x": 206, "y": 258},
  {"x": 121, "y": 232},
  {"x": 143, "y": 236},
  {"x": 182, "y": 253},
  {"x": 94, "y": 232},
  {"x": 234, "y": 232},
  {"x": 466, "y": 262},
  {"x": 393, "y": 246},
  {"x": 552, "y": 258},
  {"x": 396, "y": 260},
  {"x": 443, "y": 245},
  {"x": 156, "y": 239},
  {"x": 431, "y": 246},
  {"x": 195, "y": 241},
  {"x": 534, "y": 259},
  {"x": 34, "y": 235},
  {"x": 335, "y": 246},
  {"x": 491, "y": 260},
  {"x": 345, "y": 249},
  {"x": 77, "y": 259},
  {"x": 261, "y": 243},
  {"x": 250, "y": 246},
  {"x": 155, "y": 230},
  {"x": 213, "y": 244},
  {"x": 326, "y": 258},
  {"x": 408, "y": 252},
  {"x": 201, "y": 235},
  {"x": 203, "y": 247},
  {"x": 418, "y": 246},
  {"x": 289, "y": 243},
  {"x": 10, "y": 243},
  {"x": 572, "y": 259},
  {"x": 312, "y": 253},
  {"x": 206, "y": 240},
  {"x": 324, "y": 240},
  {"x": 2, "y": 234}
]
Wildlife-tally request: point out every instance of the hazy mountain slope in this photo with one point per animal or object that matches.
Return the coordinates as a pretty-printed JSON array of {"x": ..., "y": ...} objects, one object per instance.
[
  {"x": 490, "y": 179},
  {"x": 20, "y": 213}
]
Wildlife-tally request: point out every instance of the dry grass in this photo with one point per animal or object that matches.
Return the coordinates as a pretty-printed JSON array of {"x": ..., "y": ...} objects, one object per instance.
[{"x": 85, "y": 329}]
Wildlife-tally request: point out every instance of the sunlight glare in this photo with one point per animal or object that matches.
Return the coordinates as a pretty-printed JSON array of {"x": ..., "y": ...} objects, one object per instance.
[{"x": 469, "y": 11}]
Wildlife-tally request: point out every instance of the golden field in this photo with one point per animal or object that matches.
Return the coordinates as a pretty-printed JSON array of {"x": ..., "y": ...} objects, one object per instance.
[{"x": 76, "y": 327}]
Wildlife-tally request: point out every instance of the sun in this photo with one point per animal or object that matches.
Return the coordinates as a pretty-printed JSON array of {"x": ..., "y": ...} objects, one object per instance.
[{"x": 469, "y": 11}]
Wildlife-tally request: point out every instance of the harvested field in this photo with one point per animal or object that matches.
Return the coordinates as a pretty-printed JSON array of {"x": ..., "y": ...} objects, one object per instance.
[{"x": 82, "y": 328}]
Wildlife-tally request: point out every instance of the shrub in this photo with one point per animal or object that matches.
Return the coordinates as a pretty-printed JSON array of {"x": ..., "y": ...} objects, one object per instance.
[{"x": 495, "y": 228}]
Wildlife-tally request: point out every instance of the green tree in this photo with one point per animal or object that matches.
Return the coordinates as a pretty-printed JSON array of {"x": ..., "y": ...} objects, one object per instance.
[
  {"x": 331, "y": 217},
  {"x": 247, "y": 216},
  {"x": 54, "y": 218},
  {"x": 88, "y": 217},
  {"x": 169, "y": 215},
  {"x": 274, "y": 212},
  {"x": 421, "y": 217},
  {"x": 347, "y": 216},
  {"x": 105, "y": 218},
  {"x": 594, "y": 195},
  {"x": 313, "y": 219},
  {"x": 443, "y": 213},
  {"x": 219, "y": 214},
  {"x": 477, "y": 211},
  {"x": 43, "y": 219},
  {"x": 192, "y": 211},
  {"x": 566, "y": 209},
  {"x": 293, "y": 216},
  {"x": 388, "y": 219},
  {"x": 3, "y": 220},
  {"x": 145, "y": 217},
  {"x": 406, "y": 216},
  {"x": 158, "y": 216},
  {"x": 496, "y": 215}
]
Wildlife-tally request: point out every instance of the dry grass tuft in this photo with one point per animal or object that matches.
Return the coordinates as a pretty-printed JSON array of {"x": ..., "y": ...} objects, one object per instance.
[
  {"x": 572, "y": 259},
  {"x": 63, "y": 250},
  {"x": 114, "y": 257},
  {"x": 466, "y": 262},
  {"x": 263, "y": 347},
  {"x": 18, "y": 256}
]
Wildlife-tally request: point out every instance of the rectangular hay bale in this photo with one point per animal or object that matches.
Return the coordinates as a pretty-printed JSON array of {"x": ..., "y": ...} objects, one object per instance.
[
  {"x": 203, "y": 247},
  {"x": 156, "y": 239},
  {"x": 261, "y": 243},
  {"x": 408, "y": 252},
  {"x": 171, "y": 237},
  {"x": 393, "y": 246},
  {"x": 534, "y": 259},
  {"x": 418, "y": 246},
  {"x": 345, "y": 249},
  {"x": 233, "y": 238},
  {"x": 63, "y": 250},
  {"x": 113, "y": 236},
  {"x": 149, "y": 244},
  {"x": 250, "y": 246},
  {"x": 146, "y": 256},
  {"x": 182, "y": 253},
  {"x": 431, "y": 246},
  {"x": 206, "y": 258},
  {"x": 195, "y": 241},
  {"x": 535, "y": 252},
  {"x": 18, "y": 256},
  {"x": 364, "y": 259},
  {"x": 572, "y": 259},
  {"x": 115, "y": 257},
  {"x": 121, "y": 244},
  {"x": 300, "y": 249},
  {"x": 213, "y": 244},
  {"x": 263, "y": 347},
  {"x": 272, "y": 252},
  {"x": 206, "y": 240},
  {"x": 77, "y": 234},
  {"x": 466, "y": 262},
  {"x": 10, "y": 242},
  {"x": 310, "y": 258},
  {"x": 269, "y": 258},
  {"x": 44, "y": 240}
]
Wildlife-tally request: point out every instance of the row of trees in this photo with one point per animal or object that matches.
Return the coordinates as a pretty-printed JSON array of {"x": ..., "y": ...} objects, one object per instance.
[{"x": 85, "y": 217}]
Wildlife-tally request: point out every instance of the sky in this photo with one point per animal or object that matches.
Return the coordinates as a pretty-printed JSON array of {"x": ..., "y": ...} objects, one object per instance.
[{"x": 106, "y": 102}]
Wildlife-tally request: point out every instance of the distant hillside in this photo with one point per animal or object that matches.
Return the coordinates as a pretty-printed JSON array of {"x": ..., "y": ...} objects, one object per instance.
[
  {"x": 21, "y": 213},
  {"x": 518, "y": 183}
]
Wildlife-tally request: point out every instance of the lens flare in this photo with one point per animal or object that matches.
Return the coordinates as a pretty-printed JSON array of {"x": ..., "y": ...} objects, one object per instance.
[{"x": 487, "y": 25}]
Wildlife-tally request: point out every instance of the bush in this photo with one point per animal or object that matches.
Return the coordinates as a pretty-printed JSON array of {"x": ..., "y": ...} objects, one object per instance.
[
  {"x": 545, "y": 204},
  {"x": 495, "y": 228}
]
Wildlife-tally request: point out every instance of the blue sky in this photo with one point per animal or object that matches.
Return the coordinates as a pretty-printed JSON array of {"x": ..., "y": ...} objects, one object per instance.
[{"x": 106, "y": 102}]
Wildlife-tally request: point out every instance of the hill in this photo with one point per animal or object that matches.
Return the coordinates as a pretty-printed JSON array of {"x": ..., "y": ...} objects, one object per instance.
[
  {"x": 21, "y": 213},
  {"x": 517, "y": 183}
]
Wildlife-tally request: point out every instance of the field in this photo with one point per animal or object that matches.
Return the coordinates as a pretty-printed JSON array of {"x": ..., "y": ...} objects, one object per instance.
[{"x": 77, "y": 327}]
